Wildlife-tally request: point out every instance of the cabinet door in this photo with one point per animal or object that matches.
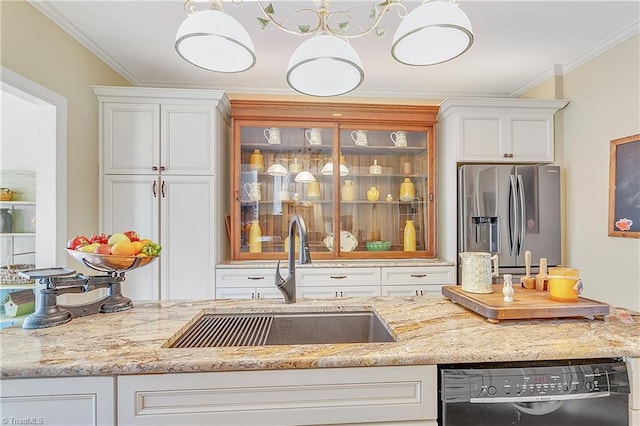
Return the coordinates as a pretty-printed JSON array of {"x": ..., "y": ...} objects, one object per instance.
[
  {"x": 248, "y": 293},
  {"x": 359, "y": 291},
  {"x": 284, "y": 397},
  {"x": 68, "y": 401},
  {"x": 531, "y": 137},
  {"x": 412, "y": 290},
  {"x": 187, "y": 237},
  {"x": 131, "y": 138},
  {"x": 131, "y": 203},
  {"x": 481, "y": 137},
  {"x": 187, "y": 139}
]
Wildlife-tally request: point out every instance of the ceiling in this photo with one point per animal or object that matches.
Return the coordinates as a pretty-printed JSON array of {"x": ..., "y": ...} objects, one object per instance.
[{"x": 518, "y": 44}]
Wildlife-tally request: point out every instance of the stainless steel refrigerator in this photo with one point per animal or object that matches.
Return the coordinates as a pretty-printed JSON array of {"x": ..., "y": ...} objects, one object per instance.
[{"x": 508, "y": 209}]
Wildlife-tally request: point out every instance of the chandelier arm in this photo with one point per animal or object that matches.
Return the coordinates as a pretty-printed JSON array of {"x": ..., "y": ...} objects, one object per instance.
[
  {"x": 372, "y": 27},
  {"x": 281, "y": 25}
]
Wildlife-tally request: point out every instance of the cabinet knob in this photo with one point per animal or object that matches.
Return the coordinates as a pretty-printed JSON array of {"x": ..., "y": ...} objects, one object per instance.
[
  {"x": 154, "y": 168},
  {"x": 505, "y": 155},
  {"x": 162, "y": 168}
]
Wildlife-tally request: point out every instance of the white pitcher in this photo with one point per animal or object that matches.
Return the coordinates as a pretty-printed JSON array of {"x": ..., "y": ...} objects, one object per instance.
[{"x": 477, "y": 271}]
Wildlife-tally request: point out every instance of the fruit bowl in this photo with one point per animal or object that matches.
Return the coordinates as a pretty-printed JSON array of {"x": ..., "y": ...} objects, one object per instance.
[
  {"x": 378, "y": 245},
  {"x": 110, "y": 262}
]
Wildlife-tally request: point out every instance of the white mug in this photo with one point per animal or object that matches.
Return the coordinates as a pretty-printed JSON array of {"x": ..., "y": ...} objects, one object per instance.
[
  {"x": 253, "y": 190},
  {"x": 359, "y": 137},
  {"x": 399, "y": 138},
  {"x": 314, "y": 136},
  {"x": 273, "y": 135}
]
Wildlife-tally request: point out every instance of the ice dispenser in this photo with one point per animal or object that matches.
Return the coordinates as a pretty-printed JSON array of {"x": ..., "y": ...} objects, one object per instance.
[{"x": 485, "y": 234}]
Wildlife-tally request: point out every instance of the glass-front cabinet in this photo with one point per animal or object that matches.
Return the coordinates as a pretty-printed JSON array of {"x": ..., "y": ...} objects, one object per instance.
[{"x": 361, "y": 177}]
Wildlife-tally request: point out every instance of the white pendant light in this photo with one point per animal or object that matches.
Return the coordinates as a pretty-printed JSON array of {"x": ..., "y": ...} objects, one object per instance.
[
  {"x": 327, "y": 170},
  {"x": 213, "y": 40},
  {"x": 325, "y": 65},
  {"x": 305, "y": 177},
  {"x": 435, "y": 32}
]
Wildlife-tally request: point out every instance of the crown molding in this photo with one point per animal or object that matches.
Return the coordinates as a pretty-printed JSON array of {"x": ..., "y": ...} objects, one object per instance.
[
  {"x": 50, "y": 12},
  {"x": 597, "y": 50}
]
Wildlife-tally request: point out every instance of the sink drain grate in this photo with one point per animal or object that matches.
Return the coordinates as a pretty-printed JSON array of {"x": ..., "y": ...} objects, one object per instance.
[{"x": 219, "y": 330}]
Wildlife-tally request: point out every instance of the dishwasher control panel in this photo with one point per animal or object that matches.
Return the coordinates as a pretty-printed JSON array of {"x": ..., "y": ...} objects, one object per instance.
[{"x": 537, "y": 383}]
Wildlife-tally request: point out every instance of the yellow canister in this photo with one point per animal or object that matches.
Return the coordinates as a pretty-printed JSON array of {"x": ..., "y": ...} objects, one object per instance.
[{"x": 564, "y": 284}]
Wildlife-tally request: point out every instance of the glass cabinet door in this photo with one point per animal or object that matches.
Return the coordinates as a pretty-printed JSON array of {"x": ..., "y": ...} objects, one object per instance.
[
  {"x": 281, "y": 175},
  {"x": 384, "y": 200},
  {"x": 360, "y": 175}
]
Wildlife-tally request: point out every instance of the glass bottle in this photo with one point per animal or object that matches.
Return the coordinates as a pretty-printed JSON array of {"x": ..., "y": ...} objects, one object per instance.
[
  {"x": 409, "y": 236},
  {"x": 6, "y": 221},
  {"x": 255, "y": 237}
]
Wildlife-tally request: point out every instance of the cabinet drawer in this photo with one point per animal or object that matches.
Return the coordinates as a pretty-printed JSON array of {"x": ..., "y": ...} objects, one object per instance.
[
  {"x": 418, "y": 275},
  {"x": 258, "y": 277},
  {"x": 337, "y": 276}
]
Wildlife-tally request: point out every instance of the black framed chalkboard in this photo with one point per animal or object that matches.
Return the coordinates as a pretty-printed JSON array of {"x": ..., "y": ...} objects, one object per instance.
[{"x": 624, "y": 187}]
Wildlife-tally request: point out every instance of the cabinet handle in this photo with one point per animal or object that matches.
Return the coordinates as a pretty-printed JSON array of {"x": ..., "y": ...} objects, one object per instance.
[
  {"x": 162, "y": 168},
  {"x": 162, "y": 189},
  {"x": 154, "y": 168},
  {"x": 341, "y": 294},
  {"x": 155, "y": 194},
  {"x": 421, "y": 293},
  {"x": 255, "y": 278},
  {"x": 336, "y": 294},
  {"x": 258, "y": 296},
  {"x": 505, "y": 155},
  {"x": 418, "y": 275},
  {"x": 253, "y": 295},
  {"x": 338, "y": 277}
]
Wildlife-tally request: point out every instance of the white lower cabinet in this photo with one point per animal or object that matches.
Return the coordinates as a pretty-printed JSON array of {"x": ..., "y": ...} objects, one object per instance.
[
  {"x": 247, "y": 283},
  {"x": 416, "y": 281},
  {"x": 59, "y": 401},
  {"x": 368, "y": 395},
  {"x": 175, "y": 211},
  {"x": 326, "y": 283}
]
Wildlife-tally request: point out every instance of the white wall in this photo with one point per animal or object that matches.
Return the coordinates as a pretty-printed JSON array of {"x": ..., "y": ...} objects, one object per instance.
[
  {"x": 18, "y": 136},
  {"x": 605, "y": 105}
]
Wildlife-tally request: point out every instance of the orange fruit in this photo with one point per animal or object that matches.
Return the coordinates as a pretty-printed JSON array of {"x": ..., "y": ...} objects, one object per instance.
[{"x": 123, "y": 248}]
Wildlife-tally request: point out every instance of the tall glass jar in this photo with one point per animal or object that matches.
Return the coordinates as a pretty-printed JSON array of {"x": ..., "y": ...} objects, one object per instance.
[
  {"x": 409, "y": 236},
  {"x": 255, "y": 237}
]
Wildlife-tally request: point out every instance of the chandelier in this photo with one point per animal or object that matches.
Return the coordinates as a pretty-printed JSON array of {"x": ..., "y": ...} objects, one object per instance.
[{"x": 325, "y": 64}]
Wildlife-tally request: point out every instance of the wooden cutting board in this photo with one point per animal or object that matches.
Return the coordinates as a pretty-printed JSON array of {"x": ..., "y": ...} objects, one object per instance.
[{"x": 527, "y": 304}]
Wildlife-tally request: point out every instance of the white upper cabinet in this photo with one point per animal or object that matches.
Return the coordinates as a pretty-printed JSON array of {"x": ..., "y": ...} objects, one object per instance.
[
  {"x": 500, "y": 130},
  {"x": 171, "y": 139}
]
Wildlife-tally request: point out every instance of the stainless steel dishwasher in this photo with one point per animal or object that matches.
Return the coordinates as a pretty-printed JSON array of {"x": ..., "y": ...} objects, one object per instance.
[{"x": 550, "y": 393}]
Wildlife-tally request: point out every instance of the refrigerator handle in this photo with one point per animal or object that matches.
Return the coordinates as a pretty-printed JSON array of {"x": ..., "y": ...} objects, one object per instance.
[
  {"x": 513, "y": 214},
  {"x": 522, "y": 215}
]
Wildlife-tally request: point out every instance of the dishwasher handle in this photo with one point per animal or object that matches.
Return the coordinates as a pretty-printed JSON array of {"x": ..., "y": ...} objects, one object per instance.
[{"x": 540, "y": 398}]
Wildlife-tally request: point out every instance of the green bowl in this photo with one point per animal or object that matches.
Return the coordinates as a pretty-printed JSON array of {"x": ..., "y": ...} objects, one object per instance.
[{"x": 378, "y": 245}]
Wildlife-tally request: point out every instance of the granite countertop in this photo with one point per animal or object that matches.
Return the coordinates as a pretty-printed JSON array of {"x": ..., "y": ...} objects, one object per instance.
[
  {"x": 337, "y": 263},
  {"x": 429, "y": 330}
]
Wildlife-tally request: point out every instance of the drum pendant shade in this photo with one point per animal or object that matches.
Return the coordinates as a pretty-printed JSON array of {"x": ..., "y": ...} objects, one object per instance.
[
  {"x": 213, "y": 40},
  {"x": 325, "y": 65},
  {"x": 435, "y": 32}
]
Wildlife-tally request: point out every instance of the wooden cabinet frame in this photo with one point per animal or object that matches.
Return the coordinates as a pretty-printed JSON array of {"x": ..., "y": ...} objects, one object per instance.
[{"x": 334, "y": 116}]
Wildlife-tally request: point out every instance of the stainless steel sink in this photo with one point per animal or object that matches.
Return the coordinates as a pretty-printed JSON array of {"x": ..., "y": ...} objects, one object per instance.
[{"x": 284, "y": 328}]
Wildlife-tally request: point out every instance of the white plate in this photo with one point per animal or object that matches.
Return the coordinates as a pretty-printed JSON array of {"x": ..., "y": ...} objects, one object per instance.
[{"x": 348, "y": 241}]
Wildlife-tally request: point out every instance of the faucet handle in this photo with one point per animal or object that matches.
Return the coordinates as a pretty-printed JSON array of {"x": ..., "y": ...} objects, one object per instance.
[{"x": 279, "y": 279}]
